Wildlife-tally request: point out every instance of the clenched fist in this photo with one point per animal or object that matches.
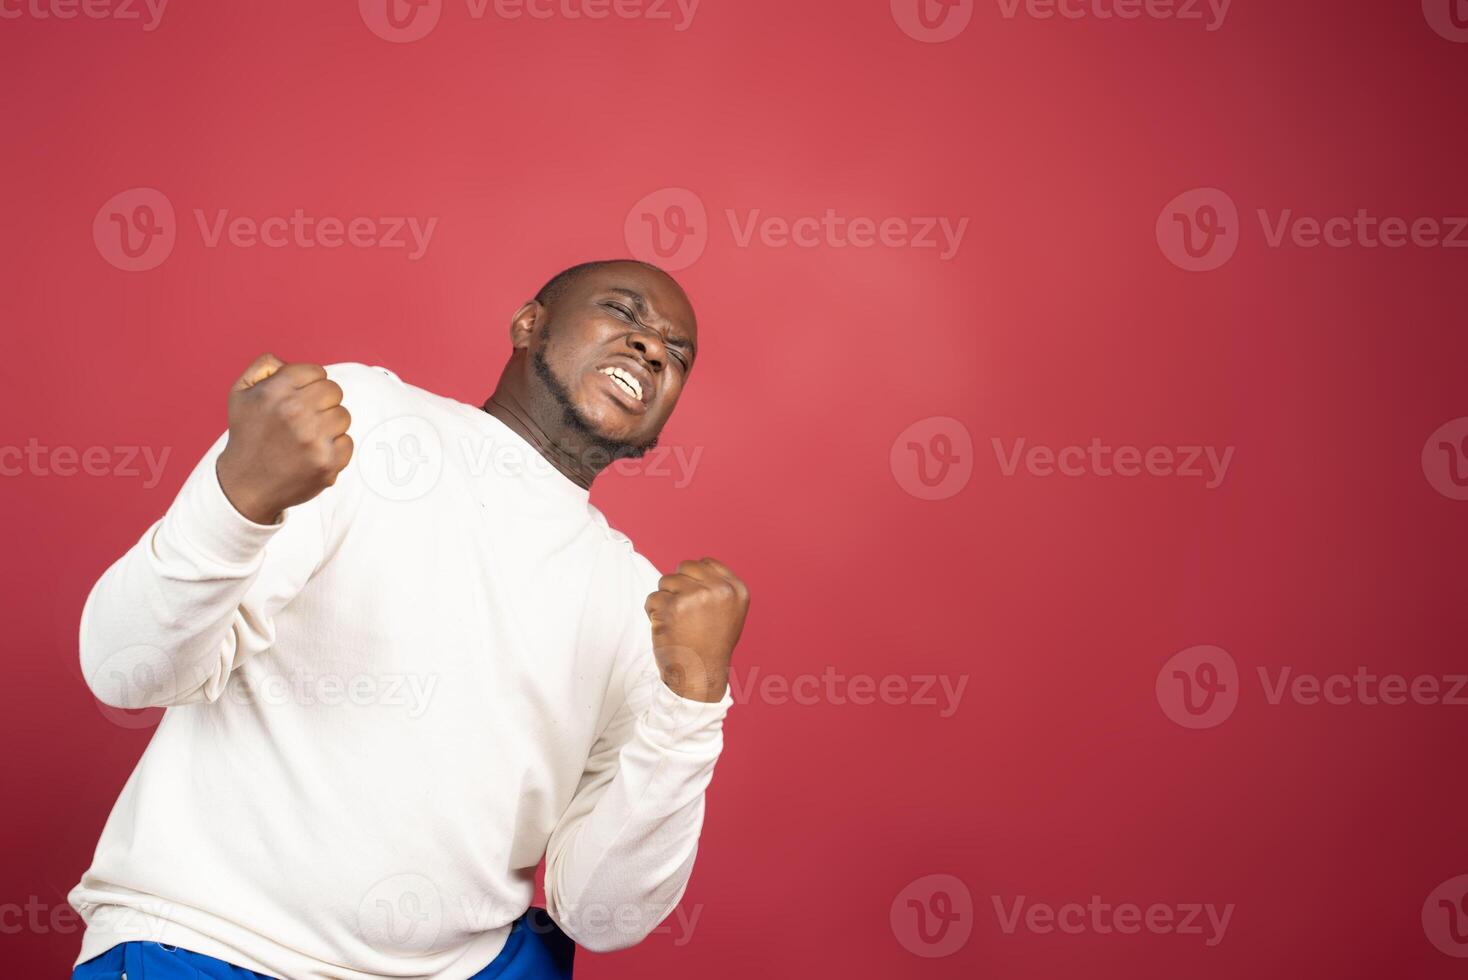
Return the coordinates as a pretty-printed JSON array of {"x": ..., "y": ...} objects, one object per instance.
[
  {"x": 697, "y": 614},
  {"x": 287, "y": 438}
]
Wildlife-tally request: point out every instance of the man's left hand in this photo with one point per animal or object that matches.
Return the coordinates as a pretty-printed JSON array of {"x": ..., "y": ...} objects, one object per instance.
[{"x": 697, "y": 614}]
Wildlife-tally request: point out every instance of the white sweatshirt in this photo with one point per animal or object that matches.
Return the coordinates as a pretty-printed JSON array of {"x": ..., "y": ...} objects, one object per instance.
[{"x": 386, "y": 708}]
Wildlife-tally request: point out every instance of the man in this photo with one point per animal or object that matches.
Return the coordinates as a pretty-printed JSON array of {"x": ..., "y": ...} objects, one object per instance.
[{"x": 400, "y": 680}]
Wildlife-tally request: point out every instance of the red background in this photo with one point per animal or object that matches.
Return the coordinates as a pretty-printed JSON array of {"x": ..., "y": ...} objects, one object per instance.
[{"x": 1060, "y": 319}]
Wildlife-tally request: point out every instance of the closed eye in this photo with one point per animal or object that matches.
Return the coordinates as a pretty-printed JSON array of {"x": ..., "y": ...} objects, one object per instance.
[{"x": 628, "y": 315}]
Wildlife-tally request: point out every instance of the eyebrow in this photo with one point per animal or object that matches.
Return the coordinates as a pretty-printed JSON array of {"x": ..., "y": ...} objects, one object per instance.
[{"x": 643, "y": 310}]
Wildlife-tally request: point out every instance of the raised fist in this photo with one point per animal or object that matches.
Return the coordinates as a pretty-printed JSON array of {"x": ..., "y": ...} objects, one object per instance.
[
  {"x": 287, "y": 438},
  {"x": 697, "y": 614}
]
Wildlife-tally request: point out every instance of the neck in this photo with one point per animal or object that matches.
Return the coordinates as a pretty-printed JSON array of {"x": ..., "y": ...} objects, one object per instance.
[{"x": 569, "y": 460}]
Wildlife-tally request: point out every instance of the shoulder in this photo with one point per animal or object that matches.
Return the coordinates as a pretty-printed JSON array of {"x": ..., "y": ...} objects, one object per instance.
[
  {"x": 377, "y": 396},
  {"x": 639, "y": 579},
  {"x": 641, "y": 574},
  {"x": 365, "y": 382}
]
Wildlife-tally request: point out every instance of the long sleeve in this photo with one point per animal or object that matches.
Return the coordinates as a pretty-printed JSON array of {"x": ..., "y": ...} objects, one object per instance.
[
  {"x": 195, "y": 597},
  {"x": 394, "y": 701},
  {"x": 621, "y": 856}
]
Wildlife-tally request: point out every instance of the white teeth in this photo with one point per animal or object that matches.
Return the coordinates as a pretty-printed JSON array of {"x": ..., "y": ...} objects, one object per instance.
[{"x": 633, "y": 386}]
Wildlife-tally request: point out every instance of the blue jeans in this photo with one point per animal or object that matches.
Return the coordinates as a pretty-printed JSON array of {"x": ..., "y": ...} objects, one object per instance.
[{"x": 536, "y": 949}]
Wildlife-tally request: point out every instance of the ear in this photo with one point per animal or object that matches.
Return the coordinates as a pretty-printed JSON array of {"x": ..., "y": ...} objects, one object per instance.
[{"x": 525, "y": 324}]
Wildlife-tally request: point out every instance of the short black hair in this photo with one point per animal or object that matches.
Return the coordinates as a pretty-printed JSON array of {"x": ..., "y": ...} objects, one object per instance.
[{"x": 563, "y": 279}]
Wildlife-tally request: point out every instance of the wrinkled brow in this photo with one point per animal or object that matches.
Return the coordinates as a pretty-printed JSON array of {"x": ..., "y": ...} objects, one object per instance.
[{"x": 645, "y": 312}]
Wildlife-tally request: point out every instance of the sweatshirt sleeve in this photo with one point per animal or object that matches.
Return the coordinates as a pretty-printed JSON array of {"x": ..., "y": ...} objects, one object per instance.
[
  {"x": 197, "y": 595},
  {"x": 620, "y": 858}
]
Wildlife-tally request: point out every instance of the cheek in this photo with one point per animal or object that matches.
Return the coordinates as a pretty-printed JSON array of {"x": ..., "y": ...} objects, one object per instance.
[
  {"x": 670, "y": 399},
  {"x": 569, "y": 367}
]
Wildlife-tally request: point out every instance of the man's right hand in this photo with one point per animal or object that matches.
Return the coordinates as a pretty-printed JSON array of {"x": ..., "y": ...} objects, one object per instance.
[{"x": 287, "y": 438}]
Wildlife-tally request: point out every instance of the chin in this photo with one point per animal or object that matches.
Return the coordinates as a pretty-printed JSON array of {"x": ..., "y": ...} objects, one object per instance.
[{"x": 611, "y": 431}]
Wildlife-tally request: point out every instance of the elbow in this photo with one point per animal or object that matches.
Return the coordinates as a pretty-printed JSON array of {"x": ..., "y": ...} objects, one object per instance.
[
  {"x": 598, "y": 930},
  {"x": 601, "y": 945},
  {"x": 617, "y": 907},
  {"x": 127, "y": 676},
  {"x": 606, "y": 924},
  {"x": 601, "y": 926}
]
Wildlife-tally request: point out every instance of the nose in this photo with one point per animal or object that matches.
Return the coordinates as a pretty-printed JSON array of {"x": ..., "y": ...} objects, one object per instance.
[{"x": 651, "y": 348}]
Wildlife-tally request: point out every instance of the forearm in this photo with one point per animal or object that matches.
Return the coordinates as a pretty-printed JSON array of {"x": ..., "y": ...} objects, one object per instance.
[
  {"x": 163, "y": 624},
  {"x": 198, "y": 594},
  {"x": 623, "y": 865}
]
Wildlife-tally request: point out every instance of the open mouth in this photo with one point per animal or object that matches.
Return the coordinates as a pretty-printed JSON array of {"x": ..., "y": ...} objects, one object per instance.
[{"x": 626, "y": 383}]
